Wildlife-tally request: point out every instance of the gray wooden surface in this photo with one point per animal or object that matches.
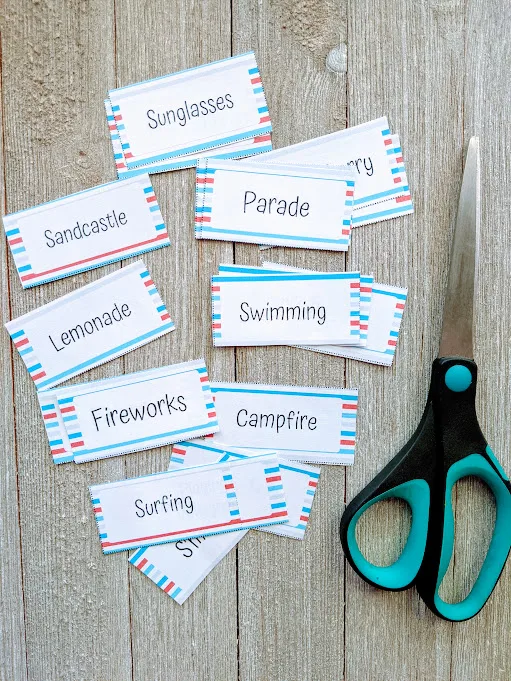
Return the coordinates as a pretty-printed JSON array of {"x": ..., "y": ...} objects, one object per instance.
[{"x": 275, "y": 609}]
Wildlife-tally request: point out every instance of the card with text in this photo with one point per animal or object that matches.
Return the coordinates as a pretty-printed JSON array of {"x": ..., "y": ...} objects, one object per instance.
[
  {"x": 377, "y": 160},
  {"x": 276, "y": 204},
  {"x": 366, "y": 282},
  {"x": 179, "y": 567},
  {"x": 85, "y": 230},
  {"x": 312, "y": 425},
  {"x": 193, "y": 502},
  {"x": 247, "y": 147},
  {"x": 128, "y": 413},
  {"x": 299, "y": 480},
  {"x": 191, "y": 111},
  {"x": 385, "y": 315},
  {"x": 280, "y": 309},
  {"x": 90, "y": 326}
]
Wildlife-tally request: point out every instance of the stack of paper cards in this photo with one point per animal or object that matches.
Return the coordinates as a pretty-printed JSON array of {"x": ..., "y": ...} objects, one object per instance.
[
  {"x": 128, "y": 413},
  {"x": 382, "y": 189},
  {"x": 283, "y": 308},
  {"x": 380, "y": 311},
  {"x": 90, "y": 326},
  {"x": 85, "y": 230},
  {"x": 167, "y": 123},
  {"x": 189, "y": 503},
  {"x": 178, "y": 568},
  {"x": 276, "y": 204}
]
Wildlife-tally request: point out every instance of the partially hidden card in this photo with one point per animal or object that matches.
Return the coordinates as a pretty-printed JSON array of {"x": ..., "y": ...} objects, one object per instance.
[
  {"x": 385, "y": 315},
  {"x": 90, "y": 326},
  {"x": 191, "y": 111},
  {"x": 366, "y": 282},
  {"x": 193, "y": 502},
  {"x": 280, "y": 309},
  {"x": 247, "y": 147},
  {"x": 312, "y": 425},
  {"x": 381, "y": 312},
  {"x": 128, "y": 413},
  {"x": 377, "y": 159},
  {"x": 85, "y": 230},
  {"x": 299, "y": 480},
  {"x": 274, "y": 204}
]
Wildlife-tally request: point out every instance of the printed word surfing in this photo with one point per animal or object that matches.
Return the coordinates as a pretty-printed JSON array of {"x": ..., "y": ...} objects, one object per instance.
[
  {"x": 281, "y": 207},
  {"x": 290, "y": 421},
  {"x": 283, "y": 313},
  {"x": 164, "y": 505}
]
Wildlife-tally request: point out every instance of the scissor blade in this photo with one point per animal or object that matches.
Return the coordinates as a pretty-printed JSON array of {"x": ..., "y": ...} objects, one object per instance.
[{"x": 458, "y": 317}]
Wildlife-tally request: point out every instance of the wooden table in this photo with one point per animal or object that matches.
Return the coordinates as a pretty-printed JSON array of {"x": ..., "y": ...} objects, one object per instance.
[{"x": 275, "y": 609}]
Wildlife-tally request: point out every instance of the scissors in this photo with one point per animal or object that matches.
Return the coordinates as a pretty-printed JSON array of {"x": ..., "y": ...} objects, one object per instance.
[{"x": 448, "y": 445}]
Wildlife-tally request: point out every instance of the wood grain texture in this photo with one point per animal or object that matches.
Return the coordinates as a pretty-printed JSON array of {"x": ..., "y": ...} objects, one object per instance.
[
  {"x": 277, "y": 609},
  {"x": 195, "y": 641}
]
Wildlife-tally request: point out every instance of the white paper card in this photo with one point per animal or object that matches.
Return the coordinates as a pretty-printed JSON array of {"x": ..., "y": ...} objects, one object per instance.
[
  {"x": 369, "y": 150},
  {"x": 190, "y": 111},
  {"x": 178, "y": 568},
  {"x": 277, "y": 204},
  {"x": 247, "y": 147},
  {"x": 90, "y": 326},
  {"x": 366, "y": 282},
  {"x": 315, "y": 425},
  {"x": 299, "y": 480},
  {"x": 85, "y": 230},
  {"x": 188, "y": 503},
  {"x": 280, "y": 309},
  {"x": 128, "y": 413},
  {"x": 385, "y": 315}
]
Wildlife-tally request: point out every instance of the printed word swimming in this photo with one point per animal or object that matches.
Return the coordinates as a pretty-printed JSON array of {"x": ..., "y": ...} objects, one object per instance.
[
  {"x": 283, "y": 313},
  {"x": 185, "y": 113},
  {"x": 111, "y": 220},
  {"x": 365, "y": 163},
  {"x": 167, "y": 504},
  {"x": 91, "y": 326},
  {"x": 294, "y": 208},
  {"x": 290, "y": 421},
  {"x": 111, "y": 418}
]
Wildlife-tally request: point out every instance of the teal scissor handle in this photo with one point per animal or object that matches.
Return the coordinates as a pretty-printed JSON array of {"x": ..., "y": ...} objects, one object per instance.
[
  {"x": 409, "y": 477},
  {"x": 448, "y": 445}
]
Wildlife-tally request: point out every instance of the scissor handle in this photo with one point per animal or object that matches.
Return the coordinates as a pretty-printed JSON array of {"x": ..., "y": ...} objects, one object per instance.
[
  {"x": 462, "y": 451},
  {"x": 409, "y": 476}
]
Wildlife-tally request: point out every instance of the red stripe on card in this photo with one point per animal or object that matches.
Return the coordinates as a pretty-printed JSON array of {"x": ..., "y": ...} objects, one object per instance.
[
  {"x": 345, "y": 231},
  {"x": 128, "y": 154},
  {"x": 54, "y": 452},
  {"x": 229, "y": 485},
  {"x": 365, "y": 289},
  {"x": 77, "y": 444},
  {"x": 275, "y": 478},
  {"x": 205, "y": 180},
  {"x": 98, "y": 510},
  {"x": 304, "y": 517},
  {"x": 392, "y": 342},
  {"x": 400, "y": 199},
  {"x": 211, "y": 414},
  {"x": 142, "y": 563},
  {"x": 202, "y": 218},
  {"x": 313, "y": 483},
  {"x": 18, "y": 240},
  {"x": 64, "y": 410},
  {"x": 364, "y": 327},
  {"x": 165, "y": 316},
  {"x": 204, "y": 379},
  {"x": 21, "y": 342},
  {"x": 192, "y": 530},
  {"x": 349, "y": 406},
  {"x": 179, "y": 451},
  {"x": 96, "y": 257},
  {"x": 169, "y": 586},
  {"x": 150, "y": 199},
  {"x": 50, "y": 416},
  {"x": 354, "y": 323},
  {"x": 148, "y": 283},
  {"x": 399, "y": 159},
  {"x": 355, "y": 284},
  {"x": 387, "y": 142},
  {"x": 397, "y": 180},
  {"x": 255, "y": 80},
  {"x": 39, "y": 375},
  {"x": 262, "y": 138},
  {"x": 400, "y": 306},
  {"x": 264, "y": 119},
  {"x": 215, "y": 288},
  {"x": 347, "y": 442},
  {"x": 349, "y": 192},
  {"x": 216, "y": 326}
]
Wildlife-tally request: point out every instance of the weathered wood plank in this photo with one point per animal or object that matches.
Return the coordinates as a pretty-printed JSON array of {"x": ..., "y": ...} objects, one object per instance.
[
  {"x": 57, "y": 65},
  {"x": 481, "y": 647},
  {"x": 13, "y": 663},
  {"x": 403, "y": 62},
  {"x": 291, "y": 592},
  {"x": 195, "y": 641}
]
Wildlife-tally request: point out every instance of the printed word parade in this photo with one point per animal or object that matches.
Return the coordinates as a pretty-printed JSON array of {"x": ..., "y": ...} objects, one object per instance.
[
  {"x": 114, "y": 417},
  {"x": 283, "y": 313},
  {"x": 282, "y": 207}
]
